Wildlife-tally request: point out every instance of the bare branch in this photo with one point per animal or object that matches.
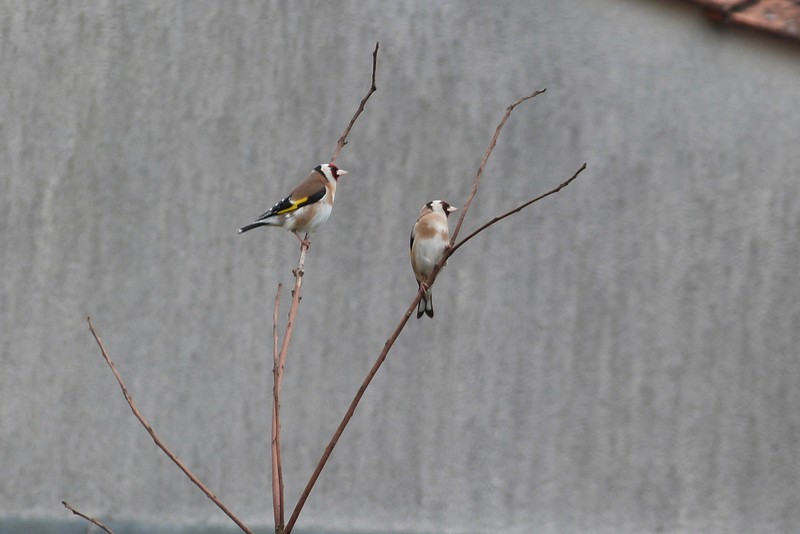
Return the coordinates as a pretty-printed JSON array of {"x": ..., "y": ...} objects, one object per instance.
[
  {"x": 86, "y": 517},
  {"x": 349, "y": 414},
  {"x": 279, "y": 361},
  {"x": 298, "y": 274},
  {"x": 287, "y": 336},
  {"x": 512, "y": 212},
  {"x": 277, "y": 372},
  {"x": 399, "y": 328},
  {"x": 157, "y": 440},
  {"x": 485, "y": 159},
  {"x": 343, "y": 139},
  {"x": 450, "y": 250},
  {"x": 390, "y": 342}
]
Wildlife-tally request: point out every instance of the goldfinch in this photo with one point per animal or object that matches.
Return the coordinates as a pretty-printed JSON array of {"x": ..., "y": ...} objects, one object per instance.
[
  {"x": 429, "y": 237},
  {"x": 307, "y": 207}
]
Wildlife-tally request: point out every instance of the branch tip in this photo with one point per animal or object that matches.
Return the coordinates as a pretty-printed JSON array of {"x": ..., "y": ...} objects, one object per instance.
[
  {"x": 509, "y": 213},
  {"x": 87, "y": 518},
  {"x": 485, "y": 160},
  {"x": 373, "y": 87}
]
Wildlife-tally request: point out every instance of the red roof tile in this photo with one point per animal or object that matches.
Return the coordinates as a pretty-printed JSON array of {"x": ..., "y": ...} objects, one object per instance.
[{"x": 776, "y": 16}]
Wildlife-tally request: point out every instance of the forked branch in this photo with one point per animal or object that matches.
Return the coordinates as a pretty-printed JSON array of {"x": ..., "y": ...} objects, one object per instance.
[
  {"x": 519, "y": 208},
  {"x": 485, "y": 159},
  {"x": 279, "y": 360},
  {"x": 407, "y": 315}
]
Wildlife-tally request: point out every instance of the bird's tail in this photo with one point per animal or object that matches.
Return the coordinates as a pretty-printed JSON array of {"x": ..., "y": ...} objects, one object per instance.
[
  {"x": 250, "y": 226},
  {"x": 425, "y": 306}
]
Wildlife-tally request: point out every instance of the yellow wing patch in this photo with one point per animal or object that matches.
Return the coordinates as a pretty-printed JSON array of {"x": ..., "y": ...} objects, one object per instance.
[{"x": 294, "y": 204}]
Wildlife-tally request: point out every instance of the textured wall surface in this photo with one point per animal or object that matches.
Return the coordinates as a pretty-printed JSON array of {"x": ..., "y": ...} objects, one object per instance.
[{"x": 621, "y": 358}]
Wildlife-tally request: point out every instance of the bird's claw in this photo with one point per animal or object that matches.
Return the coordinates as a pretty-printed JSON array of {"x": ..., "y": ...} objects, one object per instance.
[{"x": 304, "y": 241}]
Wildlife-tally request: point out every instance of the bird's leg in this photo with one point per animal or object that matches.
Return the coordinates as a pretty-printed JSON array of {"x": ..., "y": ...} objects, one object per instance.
[
  {"x": 304, "y": 242},
  {"x": 423, "y": 287}
]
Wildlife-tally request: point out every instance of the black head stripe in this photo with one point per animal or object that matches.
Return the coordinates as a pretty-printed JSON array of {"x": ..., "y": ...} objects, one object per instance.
[{"x": 334, "y": 172}]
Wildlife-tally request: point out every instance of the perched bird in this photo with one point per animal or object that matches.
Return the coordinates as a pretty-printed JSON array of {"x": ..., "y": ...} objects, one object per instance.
[
  {"x": 308, "y": 206},
  {"x": 429, "y": 237}
]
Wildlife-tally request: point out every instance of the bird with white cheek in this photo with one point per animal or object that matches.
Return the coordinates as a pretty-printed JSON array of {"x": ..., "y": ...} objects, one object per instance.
[
  {"x": 307, "y": 207},
  {"x": 429, "y": 237}
]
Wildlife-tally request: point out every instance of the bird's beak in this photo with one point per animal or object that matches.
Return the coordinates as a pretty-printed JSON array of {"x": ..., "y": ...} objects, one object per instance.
[
  {"x": 341, "y": 172},
  {"x": 451, "y": 209}
]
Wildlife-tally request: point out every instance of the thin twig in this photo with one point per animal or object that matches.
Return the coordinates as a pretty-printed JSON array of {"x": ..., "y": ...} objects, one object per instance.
[
  {"x": 388, "y": 345},
  {"x": 157, "y": 440},
  {"x": 399, "y": 328},
  {"x": 343, "y": 139},
  {"x": 519, "y": 208},
  {"x": 449, "y": 250},
  {"x": 485, "y": 159},
  {"x": 277, "y": 374},
  {"x": 287, "y": 335},
  {"x": 298, "y": 274},
  {"x": 349, "y": 414},
  {"x": 281, "y": 363},
  {"x": 86, "y": 517}
]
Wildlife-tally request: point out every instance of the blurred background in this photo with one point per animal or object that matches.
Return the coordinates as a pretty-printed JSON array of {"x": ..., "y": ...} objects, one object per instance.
[{"x": 619, "y": 358}]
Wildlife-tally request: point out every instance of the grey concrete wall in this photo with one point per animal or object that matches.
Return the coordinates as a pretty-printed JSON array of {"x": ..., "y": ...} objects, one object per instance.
[{"x": 619, "y": 358}]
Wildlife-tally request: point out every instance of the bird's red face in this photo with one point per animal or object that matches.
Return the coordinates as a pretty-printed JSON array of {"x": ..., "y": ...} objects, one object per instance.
[
  {"x": 337, "y": 172},
  {"x": 448, "y": 209}
]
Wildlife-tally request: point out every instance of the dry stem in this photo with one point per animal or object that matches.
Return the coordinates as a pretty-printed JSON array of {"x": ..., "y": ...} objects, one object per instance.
[
  {"x": 485, "y": 159},
  {"x": 407, "y": 315},
  {"x": 279, "y": 361},
  {"x": 349, "y": 414},
  {"x": 287, "y": 336},
  {"x": 277, "y": 374},
  {"x": 519, "y": 208},
  {"x": 157, "y": 440},
  {"x": 343, "y": 139},
  {"x": 86, "y": 517}
]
